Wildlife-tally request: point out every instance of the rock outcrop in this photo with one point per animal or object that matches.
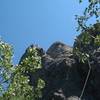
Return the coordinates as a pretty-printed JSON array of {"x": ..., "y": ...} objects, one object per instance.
[{"x": 65, "y": 77}]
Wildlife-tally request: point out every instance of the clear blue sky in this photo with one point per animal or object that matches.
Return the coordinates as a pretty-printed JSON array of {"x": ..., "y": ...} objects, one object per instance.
[{"x": 42, "y": 22}]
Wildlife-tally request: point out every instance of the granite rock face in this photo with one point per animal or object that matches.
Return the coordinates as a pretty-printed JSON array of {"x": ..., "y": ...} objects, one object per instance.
[
  {"x": 59, "y": 73},
  {"x": 65, "y": 77},
  {"x": 59, "y": 50}
]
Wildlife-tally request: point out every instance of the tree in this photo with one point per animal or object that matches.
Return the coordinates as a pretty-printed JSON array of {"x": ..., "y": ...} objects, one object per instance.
[
  {"x": 15, "y": 77},
  {"x": 6, "y": 67},
  {"x": 87, "y": 44},
  {"x": 89, "y": 39},
  {"x": 19, "y": 88},
  {"x": 92, "y": 10}
]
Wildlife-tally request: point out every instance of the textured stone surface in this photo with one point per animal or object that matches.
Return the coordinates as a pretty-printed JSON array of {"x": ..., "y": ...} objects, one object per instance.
[
  {"x": 59, "y": 50},
  {"x": 64, "y": 77}
]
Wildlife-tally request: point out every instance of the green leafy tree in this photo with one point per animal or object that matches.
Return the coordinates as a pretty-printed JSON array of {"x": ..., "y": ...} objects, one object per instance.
[
  {"x": 88, "y": 42},
  {"x": 92, "y": 10},
  {"x": 6, "y": 67},
  {"x": 89, "y": 39},
  {"x": 19, "y": 88}
]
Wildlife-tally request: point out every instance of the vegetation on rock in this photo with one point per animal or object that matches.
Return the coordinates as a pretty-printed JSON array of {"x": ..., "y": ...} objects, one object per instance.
[
  {"x": 92, "y": 10},
  {"x": 87, "y": 42},
  {"x": 19, "y": 88},
  {"x": 14, "y": 79}
]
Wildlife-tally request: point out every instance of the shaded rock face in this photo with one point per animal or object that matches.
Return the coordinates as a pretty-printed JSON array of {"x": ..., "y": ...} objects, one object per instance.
[
  {"x": 94, "y": 79},
  {"x": 60, "y": 82},
  {"x": 65, "y": 77}
]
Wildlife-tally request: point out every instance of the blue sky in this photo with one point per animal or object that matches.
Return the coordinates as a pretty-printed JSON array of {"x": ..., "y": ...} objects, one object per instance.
[{"x": 42, "y": 22}]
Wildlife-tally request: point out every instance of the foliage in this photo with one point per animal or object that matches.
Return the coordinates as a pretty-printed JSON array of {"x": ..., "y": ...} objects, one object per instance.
[
  {"x": 87, "y": 42},
  {"x": 93, "y": 9},
  {"x": 89, "y": 39},
  {"x": 16, "y": 76},
  {"x": 30, "y": 63},
  {"x": 38, "y": 90},
  {"x": 19, "y": 88},
  {"x": 6, "y": 67},
  {"x": 31, "y": 60}
]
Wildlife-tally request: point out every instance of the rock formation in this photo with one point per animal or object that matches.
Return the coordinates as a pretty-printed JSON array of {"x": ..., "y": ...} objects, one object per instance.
[{"x": 65, "y": 77}]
